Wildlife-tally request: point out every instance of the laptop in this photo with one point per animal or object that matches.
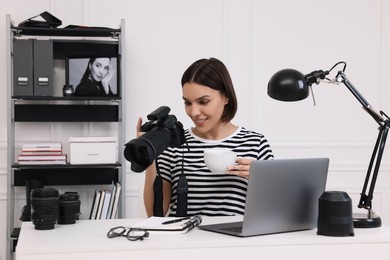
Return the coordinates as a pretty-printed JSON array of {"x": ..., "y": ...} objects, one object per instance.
[{"x": 282, "y": 196}]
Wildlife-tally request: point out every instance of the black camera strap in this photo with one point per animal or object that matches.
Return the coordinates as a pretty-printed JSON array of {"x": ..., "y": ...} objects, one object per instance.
[
  {"x": 182, "y": 190},
  {"x": 158, "y": 194}
]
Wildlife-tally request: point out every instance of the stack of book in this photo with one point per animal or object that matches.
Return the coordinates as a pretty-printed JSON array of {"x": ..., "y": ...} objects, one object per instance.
[
  {"x": 105, "y": 202},
  {"x": 42, "y": 153}
]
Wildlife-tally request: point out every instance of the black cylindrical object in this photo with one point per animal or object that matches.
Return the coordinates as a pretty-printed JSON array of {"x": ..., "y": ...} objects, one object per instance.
[
  {"x": 44, "y": 208},
  {"x": 30, "y": 185},
  {"x": 335, "y": 214},
  {"x": 143, "y": 150},
  {"x": 68, "y": 208}
]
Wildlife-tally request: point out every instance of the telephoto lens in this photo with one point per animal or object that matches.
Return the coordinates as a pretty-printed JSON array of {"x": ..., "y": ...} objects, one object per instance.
[
  {"x": 69, "y": 208},
  {"x": 44, "y": 208}
]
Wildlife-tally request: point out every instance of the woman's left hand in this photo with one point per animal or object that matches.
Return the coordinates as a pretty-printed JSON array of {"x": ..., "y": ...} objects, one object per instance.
[
  {"x": 107, "y": 78},
  {"x": 241, "y": 168}
]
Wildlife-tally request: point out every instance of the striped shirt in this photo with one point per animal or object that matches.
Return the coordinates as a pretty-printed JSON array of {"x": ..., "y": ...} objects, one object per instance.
[{"x": 211, "y": 194}]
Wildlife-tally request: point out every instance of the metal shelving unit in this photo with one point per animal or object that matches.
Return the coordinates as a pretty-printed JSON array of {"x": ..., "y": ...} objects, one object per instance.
[{"x": 45, "y": 109}]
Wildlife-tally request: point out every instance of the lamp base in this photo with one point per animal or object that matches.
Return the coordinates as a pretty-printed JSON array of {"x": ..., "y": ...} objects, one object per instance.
[{"x": 361, "y": 220}]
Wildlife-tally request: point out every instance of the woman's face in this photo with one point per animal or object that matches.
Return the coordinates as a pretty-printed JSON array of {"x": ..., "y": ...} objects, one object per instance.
[
  {"x": 99, "y": 68},
  {"x": 205, "y": 107}
]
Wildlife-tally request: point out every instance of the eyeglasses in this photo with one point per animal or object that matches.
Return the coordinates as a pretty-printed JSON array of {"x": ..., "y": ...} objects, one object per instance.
[{"x": 132, "y": 234}]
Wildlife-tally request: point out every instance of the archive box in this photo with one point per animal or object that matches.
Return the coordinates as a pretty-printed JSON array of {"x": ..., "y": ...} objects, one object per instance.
[{"x": 92, "y": 150}]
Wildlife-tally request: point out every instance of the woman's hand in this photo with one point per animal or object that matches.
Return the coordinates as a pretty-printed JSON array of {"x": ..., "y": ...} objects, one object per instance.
[
  {"x": 241, "y": 168},
  {"x": 107, "y": 78}
]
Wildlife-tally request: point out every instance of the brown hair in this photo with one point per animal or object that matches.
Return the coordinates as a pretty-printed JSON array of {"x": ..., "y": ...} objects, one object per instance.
[{"x": 214, "y": 74}]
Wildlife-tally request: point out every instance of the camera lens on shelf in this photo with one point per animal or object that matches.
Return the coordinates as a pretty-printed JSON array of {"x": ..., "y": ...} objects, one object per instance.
[
  {"x": 69, "y": 208},
  {"x": 67, "y": 90},
  {"x": 30, "y": 185},
  {"x": 44, "y": 208}
]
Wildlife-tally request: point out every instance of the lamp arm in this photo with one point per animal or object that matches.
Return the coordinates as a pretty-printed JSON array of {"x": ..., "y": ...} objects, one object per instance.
[
  {"x": 376, "y": 157},
  {"x": 341, "y": 77}
]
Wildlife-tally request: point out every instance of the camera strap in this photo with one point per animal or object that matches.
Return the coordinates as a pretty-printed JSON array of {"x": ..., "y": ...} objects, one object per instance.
[
  {"x": 182, "y": 190},
  {"x": 158, "y": 194}
]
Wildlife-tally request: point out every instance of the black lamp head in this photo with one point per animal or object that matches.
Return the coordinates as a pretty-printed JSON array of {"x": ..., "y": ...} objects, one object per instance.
[
  {"x": 288, "y": 85},
  {"x": 292, "y": 85}
]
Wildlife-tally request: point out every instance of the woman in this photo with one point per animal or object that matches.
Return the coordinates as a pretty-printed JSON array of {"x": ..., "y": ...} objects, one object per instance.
[
  {"x": 210, "y": 101},
  {"x": 96, "y": 78}
]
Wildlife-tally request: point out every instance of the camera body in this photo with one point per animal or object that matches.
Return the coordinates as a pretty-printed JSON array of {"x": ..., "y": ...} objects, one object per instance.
[
  {"x": 160, "y": 119},
  {"x": 162, "y": 131}
]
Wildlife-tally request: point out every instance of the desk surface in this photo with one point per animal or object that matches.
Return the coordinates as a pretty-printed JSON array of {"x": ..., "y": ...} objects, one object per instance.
[{"x": 87, "y": 240}]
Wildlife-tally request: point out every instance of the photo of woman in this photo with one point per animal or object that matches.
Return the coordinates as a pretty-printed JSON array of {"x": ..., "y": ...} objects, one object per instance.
[{"x": 99, "y": 77}]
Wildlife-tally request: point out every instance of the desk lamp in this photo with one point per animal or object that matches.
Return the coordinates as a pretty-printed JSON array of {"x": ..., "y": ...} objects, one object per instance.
[{"x": 292, "y": 85}]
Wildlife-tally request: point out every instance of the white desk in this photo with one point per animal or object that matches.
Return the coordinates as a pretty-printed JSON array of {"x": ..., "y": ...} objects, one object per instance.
[{"x": 87, "y": 240}]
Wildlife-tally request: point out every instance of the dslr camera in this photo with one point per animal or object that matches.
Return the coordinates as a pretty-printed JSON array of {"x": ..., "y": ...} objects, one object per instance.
[{"x": 162, "y": 131}]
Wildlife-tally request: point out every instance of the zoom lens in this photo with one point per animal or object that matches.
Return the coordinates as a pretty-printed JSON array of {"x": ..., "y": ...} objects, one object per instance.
[
  {"x": 143, "y": 150},
  {"x": 69, "y": 208},
  {"x": 44, "y": 208}
]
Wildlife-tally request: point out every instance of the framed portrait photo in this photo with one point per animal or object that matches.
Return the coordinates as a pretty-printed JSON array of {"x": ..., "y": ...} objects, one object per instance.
[{"x": 93, "y": 76}]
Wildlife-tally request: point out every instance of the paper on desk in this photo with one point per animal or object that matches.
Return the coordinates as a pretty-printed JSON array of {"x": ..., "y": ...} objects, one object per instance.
[{"x": 154, "y": 224}]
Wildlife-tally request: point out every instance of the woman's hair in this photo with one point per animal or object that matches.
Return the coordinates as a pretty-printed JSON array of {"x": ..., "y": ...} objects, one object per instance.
[
  {"x": 87, "y": 70},
  {"x": 214, "y": 74}
]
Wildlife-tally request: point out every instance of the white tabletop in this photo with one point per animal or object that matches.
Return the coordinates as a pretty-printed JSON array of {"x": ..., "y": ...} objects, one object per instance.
[{"x": 87, "y": 240}]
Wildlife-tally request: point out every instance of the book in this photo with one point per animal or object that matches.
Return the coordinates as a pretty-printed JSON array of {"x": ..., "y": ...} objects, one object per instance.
[
  {"x": 33, "y": 147},
  {"x": 41, "y": 153},
  {"x": 46, "y": 145},
  {"x": 116, "y": 200},
  {"x": 100, "y": 205},
  {"x": 95, "y": 204},
  {"x": 106, "y": 204},
  {"x": 50, "y": 162},
  {"x": 169, "y": 224},
  {"x": 41, "y": 157},
  {"x": 113, "y": 191},
  {"x": 41, "y": 150}
]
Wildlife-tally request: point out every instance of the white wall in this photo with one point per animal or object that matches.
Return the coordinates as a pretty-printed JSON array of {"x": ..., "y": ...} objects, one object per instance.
[{"x": 255, "y": 38}]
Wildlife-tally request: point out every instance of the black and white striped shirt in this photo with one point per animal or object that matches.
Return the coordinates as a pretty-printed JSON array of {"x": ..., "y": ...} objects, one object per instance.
[{"x": 211, "y": 194}]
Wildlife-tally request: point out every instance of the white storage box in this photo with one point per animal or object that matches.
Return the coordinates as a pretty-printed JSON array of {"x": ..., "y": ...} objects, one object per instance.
[{"x": 92, "y": 150}]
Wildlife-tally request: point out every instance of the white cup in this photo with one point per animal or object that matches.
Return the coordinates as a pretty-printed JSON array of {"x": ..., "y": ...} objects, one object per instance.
[{"x": 218, "y": 159}]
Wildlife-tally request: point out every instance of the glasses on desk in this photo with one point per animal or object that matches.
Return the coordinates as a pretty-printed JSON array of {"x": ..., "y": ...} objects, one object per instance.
[{"x": 132, "y": 234}]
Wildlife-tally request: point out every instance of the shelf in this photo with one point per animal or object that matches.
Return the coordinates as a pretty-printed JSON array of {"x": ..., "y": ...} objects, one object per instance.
[
  {"x": 66, "y": 113},
  {"x": 68, "y": 174},
  {"x": 71, "y": 98},
  {"x": 48, "y": 58},
  {"x": 72, "y": 32}
]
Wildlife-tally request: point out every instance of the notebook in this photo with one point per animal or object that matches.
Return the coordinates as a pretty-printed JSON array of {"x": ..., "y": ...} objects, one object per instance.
[{"x": 282, "y": 196}]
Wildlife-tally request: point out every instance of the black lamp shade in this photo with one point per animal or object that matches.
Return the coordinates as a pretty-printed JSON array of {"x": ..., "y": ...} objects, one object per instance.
[{"x": 288, "y": 85}]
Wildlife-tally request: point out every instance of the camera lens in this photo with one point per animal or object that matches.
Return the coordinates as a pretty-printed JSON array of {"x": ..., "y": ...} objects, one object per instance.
[
  {"x": 143, "y": 150},
  {"x": 69, "y": 208},
  {"x": 30, "y": 185},
  {"x": 44, "y": 208}
]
